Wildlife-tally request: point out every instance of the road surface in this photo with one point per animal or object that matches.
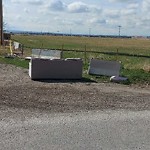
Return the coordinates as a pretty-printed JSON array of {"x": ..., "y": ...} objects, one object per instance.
[{"x": 93, "y": 130}]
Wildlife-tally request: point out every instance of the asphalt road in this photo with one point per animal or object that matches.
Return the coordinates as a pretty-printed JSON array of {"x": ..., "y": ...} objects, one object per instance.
[{"x": 103, "y": 130}]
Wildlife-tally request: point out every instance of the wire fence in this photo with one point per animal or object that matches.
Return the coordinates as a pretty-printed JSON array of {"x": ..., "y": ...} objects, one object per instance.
[
  {"x": 129, "y": 51},
  {"x": 86, "y": 54}
]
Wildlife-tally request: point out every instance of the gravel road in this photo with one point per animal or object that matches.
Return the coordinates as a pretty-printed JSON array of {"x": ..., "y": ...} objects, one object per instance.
[
  {"x": 71, "y": 114},
  {"x": 18, "y": 93}
]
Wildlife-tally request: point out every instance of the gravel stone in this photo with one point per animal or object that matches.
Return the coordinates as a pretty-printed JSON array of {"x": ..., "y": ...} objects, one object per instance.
[{"x": 19, "y": 92}]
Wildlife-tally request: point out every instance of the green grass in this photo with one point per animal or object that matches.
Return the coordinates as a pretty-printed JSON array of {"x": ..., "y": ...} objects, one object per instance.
[
  {"x": 136, "y": 76},
  {"x": 135, "y": 67},
  {"x": 15, "y": 61},
  {"x": 126, "y": 47}
]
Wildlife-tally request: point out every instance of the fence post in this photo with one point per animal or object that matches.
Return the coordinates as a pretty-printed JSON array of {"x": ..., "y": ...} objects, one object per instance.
[
  {"x": 117, "y": 54},
  {"x": 85, "y": 55},
  {"x": 62, "y": 49},
  {"x": 41, "y": 45},
  {"x": 10, "y": 47},
  {"x": 22, "y": 49}
]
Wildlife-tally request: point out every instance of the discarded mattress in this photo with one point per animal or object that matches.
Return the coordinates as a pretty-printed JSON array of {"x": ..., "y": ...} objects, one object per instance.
[
  {"x": 103, "y": 67},
  {"x": 55, "y": 68}
]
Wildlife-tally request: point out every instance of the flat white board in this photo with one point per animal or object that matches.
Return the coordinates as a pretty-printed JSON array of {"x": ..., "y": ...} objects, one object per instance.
[
  {"x": 103, "y": 67},
  {"x": 46, "y": 54}
]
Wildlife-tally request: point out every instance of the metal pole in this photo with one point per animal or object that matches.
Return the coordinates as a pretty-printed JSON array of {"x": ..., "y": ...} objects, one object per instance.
[
  {"x": 119, "y": 30},
  {"x": 85, "y": 55},
  {"x": 1, "y": 22}
]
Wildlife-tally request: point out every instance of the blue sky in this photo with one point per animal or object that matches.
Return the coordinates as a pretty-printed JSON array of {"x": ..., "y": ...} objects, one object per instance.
[{"x": 83, "y": 16}]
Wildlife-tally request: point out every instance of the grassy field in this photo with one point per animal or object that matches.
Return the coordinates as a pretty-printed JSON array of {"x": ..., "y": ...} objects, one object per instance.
[
  {"x": 134, "y": 54},
  {"x": 131, "y": 46}
]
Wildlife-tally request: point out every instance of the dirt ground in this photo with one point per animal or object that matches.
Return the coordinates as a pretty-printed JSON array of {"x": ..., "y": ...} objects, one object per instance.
[{"x": 19, "y": 92}]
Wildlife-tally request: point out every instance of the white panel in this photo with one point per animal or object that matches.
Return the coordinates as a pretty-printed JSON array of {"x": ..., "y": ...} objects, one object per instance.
[
  {"x": 16, "y": 45},
  {"x": 46, "y": 54},
  {"x": 102, "y": 67},
  {"x": 55, "y": 69},
  {"x": 30, "y": 69}
]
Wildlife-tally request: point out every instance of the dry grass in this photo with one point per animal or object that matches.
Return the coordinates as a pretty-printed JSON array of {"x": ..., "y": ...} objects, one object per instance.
[
  {"x": 133, "y": 46},
  {"x": 146, "y": 67},
  {"x": 4, "y": 50}
]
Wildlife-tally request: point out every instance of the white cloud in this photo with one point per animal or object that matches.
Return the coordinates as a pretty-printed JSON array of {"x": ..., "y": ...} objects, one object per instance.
[
  {"x": 97, "y": 21},
  {"x": 111, "y": 13},
  {"x": 133, "y": 6},
  {"x": 128, "y": 12},
  {"x": 26, "y": 10},
  {"x": 15, "y": 1},
  {"x": 35, "y": 2},
  {"x": 53, "y": 15},
  {"x": 146, "y": 5},
  {"x": 112, "y": 22},
  {"x": 123, "y": 1},
  {"x": 78, "y": 7},
  {"x": 56, "y": 5}
]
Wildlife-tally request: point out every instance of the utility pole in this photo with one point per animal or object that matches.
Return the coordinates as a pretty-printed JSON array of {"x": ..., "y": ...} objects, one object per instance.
[
  {"x": 119, "y": 29},
  {"x": 1, "y": 22}
]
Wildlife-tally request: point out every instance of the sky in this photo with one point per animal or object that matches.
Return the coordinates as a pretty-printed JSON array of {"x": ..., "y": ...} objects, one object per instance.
[{"x": 97, "y": 17}]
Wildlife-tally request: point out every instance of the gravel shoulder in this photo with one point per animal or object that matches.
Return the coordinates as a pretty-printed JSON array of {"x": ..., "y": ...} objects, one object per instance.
[{"x": 19, "y": 92}]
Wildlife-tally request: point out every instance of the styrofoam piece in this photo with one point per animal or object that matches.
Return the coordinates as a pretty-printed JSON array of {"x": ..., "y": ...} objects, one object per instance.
[
  {"x": 28, "y": 58},
  {"x": 55, "y": 69},
  {"x": 46, "y": 54},
  {"x": 103, "y": 67},
  {"x": 30, "y": 69},
  {"x": 75, "y": 59},
  {"x": 16, "y": 45},
  {"x": 118, "y": 79}
]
